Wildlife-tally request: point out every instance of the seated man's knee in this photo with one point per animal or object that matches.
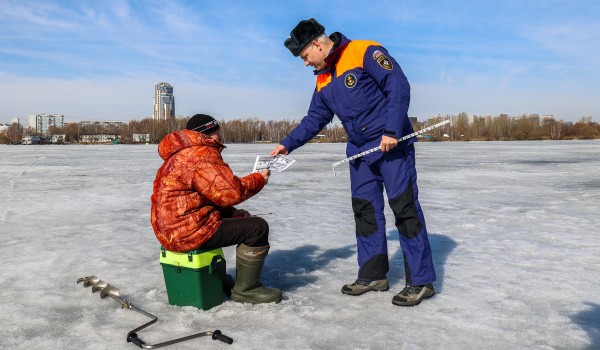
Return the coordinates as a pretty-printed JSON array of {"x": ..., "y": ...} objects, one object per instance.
[{"x": 260, "y": 233}]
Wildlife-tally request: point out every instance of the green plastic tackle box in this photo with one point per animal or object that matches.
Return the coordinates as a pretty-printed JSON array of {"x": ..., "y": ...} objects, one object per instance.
[{"x": 194, "y": 278}]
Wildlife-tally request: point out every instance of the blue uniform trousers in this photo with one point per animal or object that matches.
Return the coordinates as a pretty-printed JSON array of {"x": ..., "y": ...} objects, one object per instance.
[{"x": 396, "y": 171}]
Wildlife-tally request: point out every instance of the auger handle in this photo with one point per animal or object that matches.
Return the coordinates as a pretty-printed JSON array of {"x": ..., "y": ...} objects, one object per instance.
[
  {"x": 217, "y": 335},
  {"x": 133, "y": 338}
]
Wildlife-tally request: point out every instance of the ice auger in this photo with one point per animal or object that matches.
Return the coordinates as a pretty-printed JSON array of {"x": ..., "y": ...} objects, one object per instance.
[{"x": 106, "y": 290}]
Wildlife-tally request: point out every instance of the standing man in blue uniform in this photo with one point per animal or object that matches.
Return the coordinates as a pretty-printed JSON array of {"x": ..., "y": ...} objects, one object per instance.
[{"x": 365, "y": 87}]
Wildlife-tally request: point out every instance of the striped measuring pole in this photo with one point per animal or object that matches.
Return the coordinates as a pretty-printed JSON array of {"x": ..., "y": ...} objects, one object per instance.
[{"x": 422, "y": 131}]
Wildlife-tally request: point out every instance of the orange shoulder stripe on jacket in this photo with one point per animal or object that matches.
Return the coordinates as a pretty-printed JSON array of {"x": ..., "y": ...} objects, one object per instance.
[
  {"x": 349, "y": 60},
  {"x": 323, "y": 80},
  {"x": 353, "y": 56}
]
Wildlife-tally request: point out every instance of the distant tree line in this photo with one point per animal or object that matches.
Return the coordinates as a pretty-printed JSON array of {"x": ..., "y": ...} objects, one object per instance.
[
  {"x": 256, "y": 130},
  {"x": 250, "y": 130},
  {"x": 506, "y": 128}
]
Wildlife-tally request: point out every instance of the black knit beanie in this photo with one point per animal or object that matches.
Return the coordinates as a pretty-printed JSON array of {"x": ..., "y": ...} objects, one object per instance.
[
  {"x": 203, "y": 123},
  {"x": 302, "y": 35}
]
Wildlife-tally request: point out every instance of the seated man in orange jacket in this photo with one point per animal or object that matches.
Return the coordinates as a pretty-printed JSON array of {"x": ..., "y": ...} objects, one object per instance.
[{"x": 193, "y": 201}]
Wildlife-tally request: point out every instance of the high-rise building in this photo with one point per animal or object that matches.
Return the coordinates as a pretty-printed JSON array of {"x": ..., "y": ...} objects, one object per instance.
[
  {"x": 42, "y": 122},
  {"x": 164, "y": 102}
]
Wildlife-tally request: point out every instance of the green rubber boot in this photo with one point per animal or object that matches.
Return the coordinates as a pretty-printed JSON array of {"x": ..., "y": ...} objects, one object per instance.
[{"x": 249, "y": 262}]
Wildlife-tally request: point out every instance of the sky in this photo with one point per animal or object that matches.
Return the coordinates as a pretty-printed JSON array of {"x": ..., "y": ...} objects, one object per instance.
[
  {"x": 101, "y": 59},
  {"x": 513, "y": 228}
]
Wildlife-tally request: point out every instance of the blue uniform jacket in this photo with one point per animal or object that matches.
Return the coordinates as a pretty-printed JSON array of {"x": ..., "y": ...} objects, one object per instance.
[{"x": 366, "y": 88}]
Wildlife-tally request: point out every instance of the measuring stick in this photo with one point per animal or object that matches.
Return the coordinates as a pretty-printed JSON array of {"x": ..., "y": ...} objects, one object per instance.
[{"x": 422, "y": 131}]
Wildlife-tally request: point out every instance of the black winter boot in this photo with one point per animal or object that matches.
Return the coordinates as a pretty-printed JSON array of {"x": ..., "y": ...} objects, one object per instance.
[{"x": 248, "y": 289}]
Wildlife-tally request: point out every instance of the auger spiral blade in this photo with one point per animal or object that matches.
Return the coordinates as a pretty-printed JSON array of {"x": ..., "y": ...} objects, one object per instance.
[
  {"x": 88, "y": 281},
  {"x": 109, "y": 291},
  {"x": 98, "y": 286}
]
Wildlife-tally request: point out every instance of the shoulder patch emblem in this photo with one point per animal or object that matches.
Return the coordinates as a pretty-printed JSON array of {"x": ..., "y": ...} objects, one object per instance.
[
  {"x": 385, "y": 62},
  {"x": 350, "y": 80}
]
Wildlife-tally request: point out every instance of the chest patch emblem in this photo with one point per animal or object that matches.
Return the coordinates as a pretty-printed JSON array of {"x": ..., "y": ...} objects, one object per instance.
[
  {"x": 350, "y": 81},
  {"x": 384, "y": 62}
]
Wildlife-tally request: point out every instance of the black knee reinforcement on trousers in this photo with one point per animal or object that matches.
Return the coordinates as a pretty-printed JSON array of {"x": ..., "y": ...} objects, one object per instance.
[
  {"x": 405, "y": 213},
  {"x": 364, "y": 217}
]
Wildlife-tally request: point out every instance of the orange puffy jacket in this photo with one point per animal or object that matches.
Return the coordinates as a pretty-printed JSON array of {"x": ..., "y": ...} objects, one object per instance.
[{"x": 194, "y": 189}]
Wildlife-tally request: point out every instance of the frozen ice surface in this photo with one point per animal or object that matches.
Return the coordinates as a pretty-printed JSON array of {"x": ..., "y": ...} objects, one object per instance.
[{"x": 514, "y": 228}]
